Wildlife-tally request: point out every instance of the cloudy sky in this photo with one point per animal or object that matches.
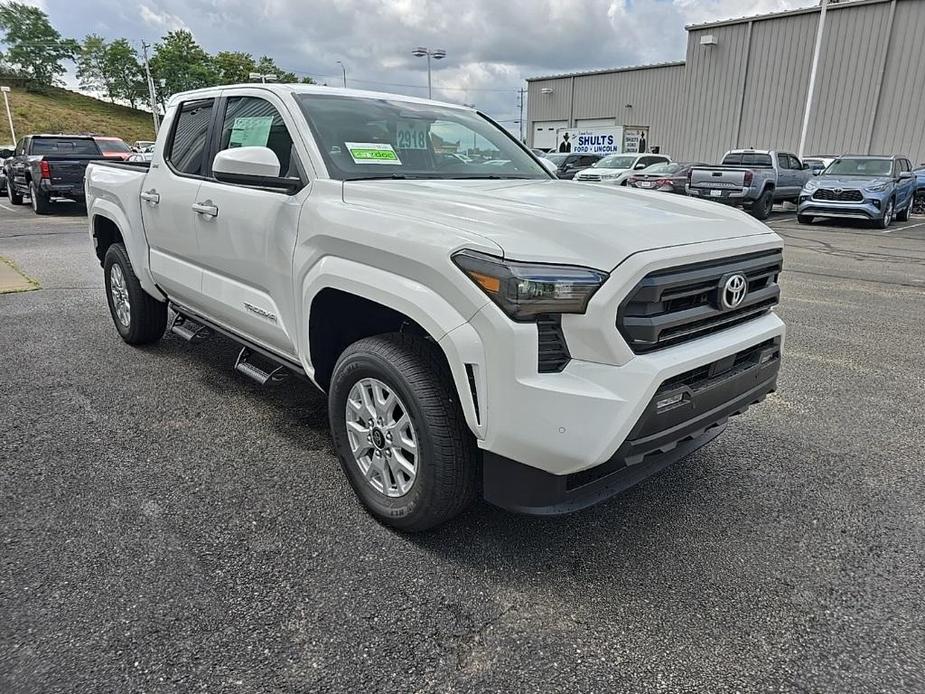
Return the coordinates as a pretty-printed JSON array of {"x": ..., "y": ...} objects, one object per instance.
[{"x": 491, "y": 44}]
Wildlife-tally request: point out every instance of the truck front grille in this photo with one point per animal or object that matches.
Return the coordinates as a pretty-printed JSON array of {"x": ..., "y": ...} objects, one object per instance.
[
  {"x": 589, "y": 177},
  {"x": 838, "y": 195},
  {"x": 678, "y": 304}
]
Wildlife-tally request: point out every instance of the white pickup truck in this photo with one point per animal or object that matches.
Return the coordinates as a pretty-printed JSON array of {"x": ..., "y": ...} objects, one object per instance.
[{"x": 479, "y": 327}]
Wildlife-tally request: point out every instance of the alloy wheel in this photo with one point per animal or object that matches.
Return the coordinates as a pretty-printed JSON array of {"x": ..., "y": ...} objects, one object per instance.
[
  {"x": 382, "y": 438},
  {"x": 120, "y": 300}
]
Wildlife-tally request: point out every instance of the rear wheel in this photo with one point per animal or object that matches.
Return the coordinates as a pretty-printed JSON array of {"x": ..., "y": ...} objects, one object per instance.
[
  {"x": 138, "y": 316},
  {"x": 41, "y": 202},
  {"x": 887, "y": 217},
  {"x": 761, "y": 208},
  {"x": 11, "y": 194},
  {"x": 399, "y": 432}
]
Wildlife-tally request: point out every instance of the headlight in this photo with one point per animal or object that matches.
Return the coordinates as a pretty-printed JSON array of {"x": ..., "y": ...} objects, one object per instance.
[
  {"x": 525, "y": 290},
  {"x": 876, "y": 187},
  {"x": 810, "y": 186}
]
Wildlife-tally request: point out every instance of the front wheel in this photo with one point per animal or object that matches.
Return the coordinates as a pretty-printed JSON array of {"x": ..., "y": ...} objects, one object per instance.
[
  {"x": 907, "y": 211},
  {"x": 11, "y": 194},
  {"x": 399, "y": 432},
  {"x": 804, "y": 219},
  {"x": 887, "y": 217},
  {"x": 761, "y": 208},
  {"x": 139, "y": 317}
]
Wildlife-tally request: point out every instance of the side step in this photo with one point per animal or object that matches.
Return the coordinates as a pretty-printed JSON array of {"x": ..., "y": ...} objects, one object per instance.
[
  {"x": 190, "y": 330},
  {"x": 254, "y": 372}
]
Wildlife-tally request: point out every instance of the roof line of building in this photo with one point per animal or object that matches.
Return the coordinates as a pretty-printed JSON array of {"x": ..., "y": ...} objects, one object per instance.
[
  {"x": 606, "y": 70},
  {"x": 783, "y": 13}
]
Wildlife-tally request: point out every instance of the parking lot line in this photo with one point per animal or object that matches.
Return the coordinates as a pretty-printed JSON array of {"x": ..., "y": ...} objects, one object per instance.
[
  {"x": 6, "y": 208},
  {"x": 903, "y": 228}
]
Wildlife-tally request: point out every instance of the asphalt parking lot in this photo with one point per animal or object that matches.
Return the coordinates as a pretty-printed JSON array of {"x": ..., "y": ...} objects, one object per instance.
[{"x": 166, "y": 526}]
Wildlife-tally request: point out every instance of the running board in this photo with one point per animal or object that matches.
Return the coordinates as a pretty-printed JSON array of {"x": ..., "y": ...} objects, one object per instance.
[
  {"x": 190, "y": 330},
  {"x": 255, "y": 373}
]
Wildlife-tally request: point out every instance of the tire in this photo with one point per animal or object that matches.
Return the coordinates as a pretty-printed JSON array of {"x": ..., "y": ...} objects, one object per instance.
[
  {"x": 904, "y": 215},
  {"x": 804, "y": 219},
  {"x": 146, "y": 318},
  {"x": 41, "y": 203},
  {"x": 11, "y": 194},
  {"x": 761, "y": 208},
  {"x": 887, "y": 217},
  {"x": 413, "y": 370}
]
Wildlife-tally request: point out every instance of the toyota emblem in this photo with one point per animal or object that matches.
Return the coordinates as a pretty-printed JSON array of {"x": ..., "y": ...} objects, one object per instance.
[{"x": 733, "y": 291}]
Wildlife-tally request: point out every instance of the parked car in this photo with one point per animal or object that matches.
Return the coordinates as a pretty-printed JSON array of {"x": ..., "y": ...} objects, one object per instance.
[
  {"x": 611, "y": 169},
  {"x": 751, "y": 178},
  {"x": 918, "y": 205},
  {"x": 570, "y": 164},
  {"x": 113, "y": 147},
  {"x": 6, "y": 151},
  {"x": 140, "y": 145},
  {"x": 876, "y": 188},
  {"x": 147, "y": 154},
  {"x": 819, "y": 162},
  {"x": 476, "y": 329},
  {"x": 47, "y": 166},
  {"x": 669, "y": 178}
]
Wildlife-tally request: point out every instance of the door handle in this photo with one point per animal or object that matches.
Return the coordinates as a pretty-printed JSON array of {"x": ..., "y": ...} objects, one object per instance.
[
  {"x": 151, "y": 196},
  {"x": 205, "y": 208}
]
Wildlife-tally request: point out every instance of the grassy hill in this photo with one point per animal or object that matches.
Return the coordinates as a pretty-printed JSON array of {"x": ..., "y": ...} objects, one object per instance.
[{"x": 60, "y": 110}]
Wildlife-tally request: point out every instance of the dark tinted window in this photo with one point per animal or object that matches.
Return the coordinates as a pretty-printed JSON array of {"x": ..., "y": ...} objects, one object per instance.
[
  {"x": 64, "y": 145},
  {"x": 113, "y": 146},
  {"x": 189, "y": 136},
  {"x": 747, "y": 159},
  {"x": 588, "y": 160},
  {"x": 253, "y": 122}
]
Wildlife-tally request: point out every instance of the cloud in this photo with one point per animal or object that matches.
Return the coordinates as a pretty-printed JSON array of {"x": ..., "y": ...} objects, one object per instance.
[{"x": 492, "y": 45}]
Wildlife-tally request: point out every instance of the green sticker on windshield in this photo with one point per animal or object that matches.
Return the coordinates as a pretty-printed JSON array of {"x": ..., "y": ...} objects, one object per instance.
[
  {"x": 253, "y": 131},
  {"x": 372, "y": 153}
]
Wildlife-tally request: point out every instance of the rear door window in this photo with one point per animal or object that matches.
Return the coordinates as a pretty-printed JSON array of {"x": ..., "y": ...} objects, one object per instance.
[
  {"x": 187, "y": 147},
  {"x": 63, "y": 146},
  {"x": 254, "y": 122}
]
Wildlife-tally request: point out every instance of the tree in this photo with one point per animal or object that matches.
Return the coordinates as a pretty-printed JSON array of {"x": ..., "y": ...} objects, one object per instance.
[
  {"x": 124, "y": 72},
  {"x": 180, "y": 64},
  {"x": 91, "y": 65},
  {"x": 234, "y": 67},
  {"x": 35, "y": 49},
  {"x": 267, "y": 66}
]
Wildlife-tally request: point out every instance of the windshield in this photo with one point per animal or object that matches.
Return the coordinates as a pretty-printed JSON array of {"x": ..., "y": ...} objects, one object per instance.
[
  {"x": 113, "y": 146},
  {"x": 556, "y": 159},
  {"x": 860, "y": 167},
  {"x": 63, "y": 145},
  {"x": 385, "y": 138},
  {"x": 616, "y": 161}
]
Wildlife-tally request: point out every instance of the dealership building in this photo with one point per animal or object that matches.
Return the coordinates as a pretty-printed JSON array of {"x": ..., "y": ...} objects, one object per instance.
[{"x": 745, "y": 83}]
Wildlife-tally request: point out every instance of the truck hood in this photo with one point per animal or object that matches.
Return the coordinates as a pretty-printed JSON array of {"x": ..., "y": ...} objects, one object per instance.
[{"x": 558, "y": 221}]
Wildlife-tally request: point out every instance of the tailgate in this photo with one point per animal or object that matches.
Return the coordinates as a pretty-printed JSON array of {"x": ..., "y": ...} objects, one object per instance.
[
  {"x": 67, "y": 170},
  {"x": 717, "y": 177}
]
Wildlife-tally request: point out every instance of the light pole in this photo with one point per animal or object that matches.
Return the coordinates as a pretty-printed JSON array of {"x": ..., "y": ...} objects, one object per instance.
[
  {"x": 263, "y": 78},
  {"x": 345, "y": 72},
  {"x": 436, "y": 54},
  {"x": 6, "y": 90}
]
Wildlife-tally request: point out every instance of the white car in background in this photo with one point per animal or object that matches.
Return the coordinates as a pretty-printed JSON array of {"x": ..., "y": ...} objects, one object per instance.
[{"x": 614, "y": 169}]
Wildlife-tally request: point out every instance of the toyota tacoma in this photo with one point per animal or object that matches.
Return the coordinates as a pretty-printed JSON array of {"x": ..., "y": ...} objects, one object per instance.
[{"x": 479, "y": 327}]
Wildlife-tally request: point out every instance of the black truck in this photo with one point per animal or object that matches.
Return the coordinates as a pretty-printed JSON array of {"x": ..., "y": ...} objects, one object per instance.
[{"x": 47, "y": 166}]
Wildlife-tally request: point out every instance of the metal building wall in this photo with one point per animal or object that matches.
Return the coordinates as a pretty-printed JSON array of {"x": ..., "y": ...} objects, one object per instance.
[{"x": 750, "y": 88}]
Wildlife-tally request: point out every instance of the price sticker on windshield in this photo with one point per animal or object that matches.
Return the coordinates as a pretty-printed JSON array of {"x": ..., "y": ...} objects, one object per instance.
[
  {"x": 412, "y": 134},
  {"x": 372, "y": 153}
]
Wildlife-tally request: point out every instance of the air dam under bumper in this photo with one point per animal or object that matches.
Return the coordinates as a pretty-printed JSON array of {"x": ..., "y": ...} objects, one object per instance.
[{"x": 710, "y": 395}]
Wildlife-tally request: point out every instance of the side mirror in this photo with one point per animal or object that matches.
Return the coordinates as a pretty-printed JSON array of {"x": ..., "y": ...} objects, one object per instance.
[
  {"x": 905, "y": 175},
  {"x": 817, "y": 172},
  {"x": 252, "y": 166},
  {"x": 549, "y": 166},
  {"x": 6, "y": 153},
  {"x": 638, "y": 166}
]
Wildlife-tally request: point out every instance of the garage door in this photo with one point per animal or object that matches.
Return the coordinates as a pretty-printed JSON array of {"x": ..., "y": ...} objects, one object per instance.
[
  {"x": 544, "y": 132},
  {"x": 595, "y": 122}
]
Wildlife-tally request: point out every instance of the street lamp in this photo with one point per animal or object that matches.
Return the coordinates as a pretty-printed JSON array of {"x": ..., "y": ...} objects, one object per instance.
[
  {"x": 263, "y": 78},
  {"x": 436, "y": 54},
  {"x": 6, "y": 90},
  {"x": 345, "y": 72}
]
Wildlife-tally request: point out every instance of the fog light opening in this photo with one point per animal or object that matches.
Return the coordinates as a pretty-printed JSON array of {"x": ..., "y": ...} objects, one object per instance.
[{"x": 668, "y": 401}]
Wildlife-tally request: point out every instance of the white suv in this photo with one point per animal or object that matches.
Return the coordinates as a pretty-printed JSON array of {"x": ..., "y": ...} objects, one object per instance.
[
  {"x": 479, "y": 328},
  {"x": 616, "y": 168}
]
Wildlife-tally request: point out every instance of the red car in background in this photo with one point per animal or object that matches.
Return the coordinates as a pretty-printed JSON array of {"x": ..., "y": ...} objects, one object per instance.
[
  {"x": 113, "y": 148},
  {"x": 670, "y": 178}
]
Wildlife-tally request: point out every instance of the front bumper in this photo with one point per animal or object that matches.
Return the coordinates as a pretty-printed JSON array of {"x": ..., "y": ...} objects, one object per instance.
[
  {"x": 869, "y": 208},
  {"x": 662, "y": 435}
]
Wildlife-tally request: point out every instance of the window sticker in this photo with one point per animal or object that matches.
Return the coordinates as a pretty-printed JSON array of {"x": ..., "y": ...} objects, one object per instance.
[
  {"x": 251, "y": 131},
  {"x": 372, "y": 153},
  {"x": 412, "y": 134}
]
